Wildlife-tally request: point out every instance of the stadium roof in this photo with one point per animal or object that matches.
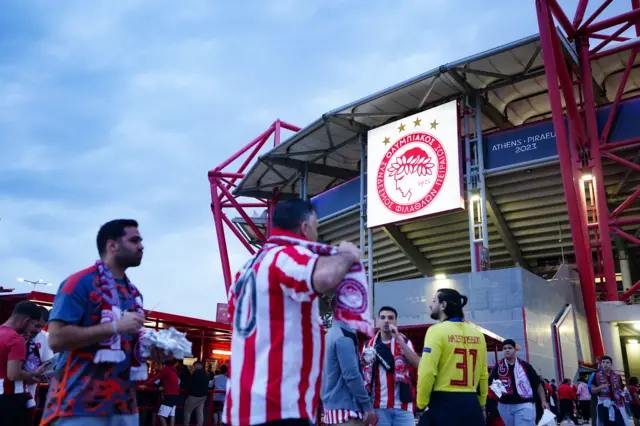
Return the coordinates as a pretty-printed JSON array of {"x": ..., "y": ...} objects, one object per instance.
[{"x": 528, "y": 221}]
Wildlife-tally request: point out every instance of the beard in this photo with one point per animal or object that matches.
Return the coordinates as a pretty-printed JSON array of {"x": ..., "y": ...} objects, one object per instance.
[
  {"x": 435, "y": 315},
  {"x": 129, "y": 260}
]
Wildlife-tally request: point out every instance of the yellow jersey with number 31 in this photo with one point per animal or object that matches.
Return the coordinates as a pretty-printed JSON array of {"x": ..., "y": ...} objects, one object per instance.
[{"x": 454, "y": 359}]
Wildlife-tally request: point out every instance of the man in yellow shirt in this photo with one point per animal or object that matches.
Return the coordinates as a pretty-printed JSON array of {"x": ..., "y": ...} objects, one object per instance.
[{"x": 453, "y": 375}]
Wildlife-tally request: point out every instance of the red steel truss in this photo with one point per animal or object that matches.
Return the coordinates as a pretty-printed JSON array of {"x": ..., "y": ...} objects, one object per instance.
[
  {"x": 582, "y": 149},
  {"x": 222, "y": 181}
]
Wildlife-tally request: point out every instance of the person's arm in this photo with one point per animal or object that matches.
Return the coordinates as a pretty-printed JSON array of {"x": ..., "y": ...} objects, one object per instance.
[
  {"x": 302, "y": 274},
  {"x": 407, "y": 348},
  {"x": 159, "y": 376},
  {"x": 595, "y": 389},
  {"x": 350, "y": 368},
  {"x": 69, "y": 308},
  {"x": 15, "y": 360},
  {"x": 428, "y": 367},
  {"x": 330, "y": 270},
  {"x": 536, "y": 383},
  {"x": 484, "y": 375}
]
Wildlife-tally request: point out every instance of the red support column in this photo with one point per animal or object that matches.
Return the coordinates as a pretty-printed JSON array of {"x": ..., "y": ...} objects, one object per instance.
[
  {"x": 608, "y": 263},
  {"x": 583, "y": 258}
]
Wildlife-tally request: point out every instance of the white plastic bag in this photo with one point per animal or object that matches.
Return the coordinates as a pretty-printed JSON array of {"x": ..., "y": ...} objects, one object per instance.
[{"x": 548, "y": 419}]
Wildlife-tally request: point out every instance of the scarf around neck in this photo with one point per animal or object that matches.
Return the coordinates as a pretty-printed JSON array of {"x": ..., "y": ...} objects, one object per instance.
[
  {"x": 522, "y": 384},
  {"x": 110, "y": 350},
  {"x": 352, "y": 302},
  {"x": 397, "y": 363},
  {"x": 614, "y": 391}
]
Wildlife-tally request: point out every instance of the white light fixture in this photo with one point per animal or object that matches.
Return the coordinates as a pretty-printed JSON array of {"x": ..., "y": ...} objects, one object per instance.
[
  {"x": 587, "y": 175},
  {"x": 475, "y": 197},
  {"x": 35, "y": 283},
  {"x": 632, "y": 341},
  {"x": 440, "y": 276},
  {"x": 221, "y": 352}
]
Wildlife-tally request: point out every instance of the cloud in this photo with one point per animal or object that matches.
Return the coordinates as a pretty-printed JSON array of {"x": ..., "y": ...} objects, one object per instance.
[{"x": 119, "y": 109}]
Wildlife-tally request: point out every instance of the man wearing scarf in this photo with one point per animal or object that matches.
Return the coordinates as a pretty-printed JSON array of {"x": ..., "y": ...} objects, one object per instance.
[
  {"x": 95, "y": 326},
  {"x": 387, "y": 359},
  {"x": 522, "y": 388},
  {"x": 606, "y": 385}
]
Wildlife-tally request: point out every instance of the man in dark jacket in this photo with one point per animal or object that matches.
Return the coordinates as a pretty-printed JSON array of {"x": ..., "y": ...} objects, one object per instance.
[{"x": 197, "y": 394}]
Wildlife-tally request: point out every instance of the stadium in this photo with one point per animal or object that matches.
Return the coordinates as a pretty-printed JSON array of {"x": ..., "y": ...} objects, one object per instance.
[{"x": 511, "y": 175}]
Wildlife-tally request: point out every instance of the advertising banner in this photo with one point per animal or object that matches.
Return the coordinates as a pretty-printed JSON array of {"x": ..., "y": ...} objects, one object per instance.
[
  {"x": 414, "y": 167},
  {"x": 222, "y": 313}
]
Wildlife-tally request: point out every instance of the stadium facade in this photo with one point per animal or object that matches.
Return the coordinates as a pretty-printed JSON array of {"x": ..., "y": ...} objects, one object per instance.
[{"x": 512, "y": 175}]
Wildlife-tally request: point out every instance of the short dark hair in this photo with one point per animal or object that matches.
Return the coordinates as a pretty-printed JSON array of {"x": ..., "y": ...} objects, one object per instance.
[
  {"x": 113, "y": 230},
  {"x": 224, "y": 369},
  {"x": 198, "y": 363},
  {"x": 605, "y": 358},
  {"x": 27, "y": 309},
  {"x": 44, "y": 314},
  {"x": 565, "y": 381},
  {"x": 289, "y": 214},
  {"x": 633, "y": 381},
  {"x": 390, "y": 309},
  {"x": 455, "y": 302},
  {"x": 509, "y": 342}
]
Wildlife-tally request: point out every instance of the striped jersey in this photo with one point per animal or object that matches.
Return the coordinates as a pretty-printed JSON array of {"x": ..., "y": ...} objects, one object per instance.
[
  {"x": 277, "y": 341},
  {"x": 454, "y": 359},
  {"x": 385, "y": 392},
  {"x": 337, "y": 417},
  {"x": 12, "y": 348}
]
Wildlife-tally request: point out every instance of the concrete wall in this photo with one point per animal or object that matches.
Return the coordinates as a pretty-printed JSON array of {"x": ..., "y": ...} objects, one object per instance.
[
  {"x": 495, "y": 300},
  {"x": 544, "y": 301},
  {"x": 633, "y": 359}
]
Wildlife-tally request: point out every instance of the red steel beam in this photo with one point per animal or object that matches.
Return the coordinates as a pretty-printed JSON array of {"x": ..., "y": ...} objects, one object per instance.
[
  {"x": 625, "y": 204},
  {"x": 579, "y": 15},
  {"x": 242, "y": 213},
  {"x": 619, "y": 222},
  {"x": 222, "y": 242},
  {"x": 604, "y": 233},
  {"x": 563, "y": 20},
  {"x": 549, "y": 39},
  {"x": 612, "y": 22},
  {"x": 237, "y": 233},
  {"x": 617, "y": 49},
  {"x": 626, "y": 236},
  {"x": 244, "y": 149},
  {"x": 606, "y": 37},
  {"x": 619, "y": 93},
  {"x": 632, "y": 290},
  {"x": 611, "y": 38},
  {"x": 621, "y": 144},
  {"x": 595, "y": 14},
  {"x": 622, "y": 161}
]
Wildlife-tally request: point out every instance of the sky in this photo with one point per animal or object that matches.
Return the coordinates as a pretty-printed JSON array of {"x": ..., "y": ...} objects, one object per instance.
[{"x": 112, "y": 109}]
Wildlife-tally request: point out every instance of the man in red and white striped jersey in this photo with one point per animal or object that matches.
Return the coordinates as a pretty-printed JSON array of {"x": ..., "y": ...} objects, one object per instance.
[
  {"x": 13, "y": 351},
  {"x": 387, "y": 371},
  {"x": 277, "y": 340}
]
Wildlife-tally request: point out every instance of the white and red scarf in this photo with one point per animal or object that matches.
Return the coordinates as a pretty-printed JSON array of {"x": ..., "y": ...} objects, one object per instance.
[
  {"x": 399, "y": 367},
  {"x": 522, "y": 383},
  {"x": 110, "y": 350},
  {"x": 352, "y": 303}
]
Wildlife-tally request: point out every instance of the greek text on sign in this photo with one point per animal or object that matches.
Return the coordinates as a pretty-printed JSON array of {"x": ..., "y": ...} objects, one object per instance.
[{"x": 414, "y": 167}]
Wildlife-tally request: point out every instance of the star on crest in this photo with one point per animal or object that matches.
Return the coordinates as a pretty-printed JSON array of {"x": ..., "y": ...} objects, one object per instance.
[
  {"x": 401, "y": 127},
  {"x": 386, "y": 141},
  {"x": 417, "y": 122},
  {"x": 434, "y": 124}
]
